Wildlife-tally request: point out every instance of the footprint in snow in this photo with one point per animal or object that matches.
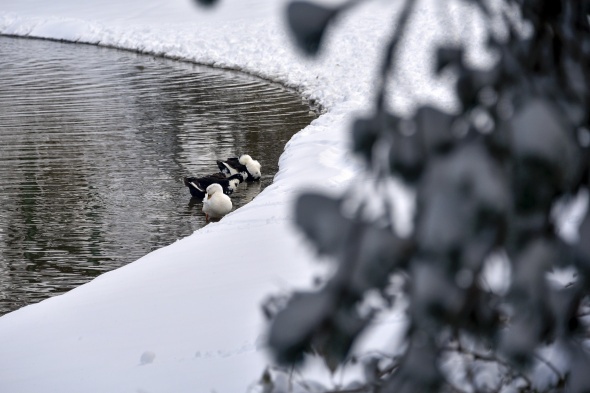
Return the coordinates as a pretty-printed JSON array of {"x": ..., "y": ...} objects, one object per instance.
[{"x": 147, "y": 357}]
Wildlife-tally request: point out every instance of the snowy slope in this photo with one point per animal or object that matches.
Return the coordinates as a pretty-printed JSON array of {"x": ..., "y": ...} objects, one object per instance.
[{"x": 186, "y": 318}]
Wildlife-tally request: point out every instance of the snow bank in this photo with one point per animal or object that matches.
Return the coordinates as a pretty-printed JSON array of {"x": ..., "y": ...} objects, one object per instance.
[{"x": 186, "y": 318}]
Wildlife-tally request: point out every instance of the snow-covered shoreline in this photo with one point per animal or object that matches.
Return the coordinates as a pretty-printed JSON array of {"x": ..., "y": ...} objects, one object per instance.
[{"x": 180, "y": 319}]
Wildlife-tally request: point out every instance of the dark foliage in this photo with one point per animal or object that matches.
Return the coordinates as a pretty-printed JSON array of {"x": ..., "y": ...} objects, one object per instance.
[
  {"x": 206, "y": 3},
  {"x": 487, "y": 180},
  {"x": 308, "y": 22}
]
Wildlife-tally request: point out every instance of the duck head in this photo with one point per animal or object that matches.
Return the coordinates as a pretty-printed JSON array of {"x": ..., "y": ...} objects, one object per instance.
[{"x": 213, "y": 189}]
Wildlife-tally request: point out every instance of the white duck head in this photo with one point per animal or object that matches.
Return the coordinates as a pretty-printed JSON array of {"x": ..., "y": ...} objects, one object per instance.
[
  {"x": 253, "y": 166},
  {"x": 212, "y": 190}
]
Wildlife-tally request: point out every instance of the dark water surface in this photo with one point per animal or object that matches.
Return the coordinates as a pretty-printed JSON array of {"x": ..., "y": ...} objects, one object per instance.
[{"x": 94, "y": 143}]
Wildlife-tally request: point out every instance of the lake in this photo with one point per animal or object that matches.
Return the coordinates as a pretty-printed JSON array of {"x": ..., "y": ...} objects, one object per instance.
[{"x": 94, "y": 143}]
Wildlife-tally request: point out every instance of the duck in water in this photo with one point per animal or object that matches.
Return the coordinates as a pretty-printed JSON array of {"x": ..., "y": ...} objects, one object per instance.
[
  {"x": 245, "y": 165},
  {"x": 216, "y": 204},
  {"x": 198, "y": 185}
]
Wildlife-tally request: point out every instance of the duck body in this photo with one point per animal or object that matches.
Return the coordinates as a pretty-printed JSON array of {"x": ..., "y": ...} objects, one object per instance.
[
  {"x": 244, "y": 165},
  {"x": 232, "y": 166},
  {"x": 215, "y": 203},
  {"x": 198, "y": 185}
]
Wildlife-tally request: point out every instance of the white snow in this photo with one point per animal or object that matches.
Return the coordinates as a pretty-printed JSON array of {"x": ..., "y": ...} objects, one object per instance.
[{"x": 186, "y": 318}]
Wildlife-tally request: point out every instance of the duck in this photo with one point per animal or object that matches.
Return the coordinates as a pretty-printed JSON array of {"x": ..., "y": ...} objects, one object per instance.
[
  {"x": 198, "y": 185},
  {"x": 216, "y": 204},
  {"x": 245, "y": 165}
]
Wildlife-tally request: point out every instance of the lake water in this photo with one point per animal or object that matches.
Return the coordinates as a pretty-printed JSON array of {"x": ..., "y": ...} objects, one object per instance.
[{"x": 94, "y": 143}]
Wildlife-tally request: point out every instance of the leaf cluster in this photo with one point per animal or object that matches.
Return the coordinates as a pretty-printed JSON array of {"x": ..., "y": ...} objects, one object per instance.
[{"x": 487, "y": 180}]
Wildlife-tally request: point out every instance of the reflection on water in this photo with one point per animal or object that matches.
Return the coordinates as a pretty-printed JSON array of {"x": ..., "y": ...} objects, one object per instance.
[{"x": 94, "y": 143}]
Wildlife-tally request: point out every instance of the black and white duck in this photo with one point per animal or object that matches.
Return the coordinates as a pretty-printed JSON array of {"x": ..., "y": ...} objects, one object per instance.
[
  {"x": 244, "y": 165},
  {"x": 215, "y": 203},
  {"x": 198, "y": 185}
]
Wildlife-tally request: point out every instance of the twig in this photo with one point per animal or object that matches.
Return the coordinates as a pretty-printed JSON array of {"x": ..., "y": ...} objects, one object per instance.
[
  {"x": 561, "y": 378},
  {"x": 489, "y": 358}
]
